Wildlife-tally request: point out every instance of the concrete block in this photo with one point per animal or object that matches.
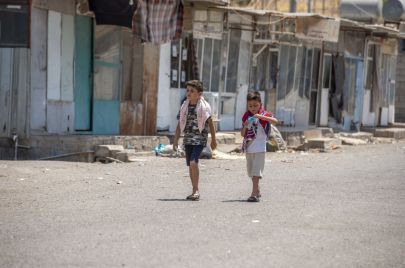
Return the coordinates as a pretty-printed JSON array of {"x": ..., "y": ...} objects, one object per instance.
[
  {"x": 122, "y": 156},
  {"x": 395, "y": 133},
  {"x": 319, "y": 133},
  {"x": 365, "y": 136},
  {"x": 223, "y": 138},
  {"x": 313, "y": 134},
  {"x": 352, "y": 141},
  {"x": 107, "y": 150},
  {"x": 324, "y": 143}
]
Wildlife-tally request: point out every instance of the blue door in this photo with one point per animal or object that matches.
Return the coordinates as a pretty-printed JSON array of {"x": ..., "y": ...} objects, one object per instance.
[{"x": 83, "y": 72}]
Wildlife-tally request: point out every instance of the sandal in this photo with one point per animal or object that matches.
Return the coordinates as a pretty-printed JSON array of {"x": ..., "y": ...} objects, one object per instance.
[
  {"x": 193, "y": 197},
  {"x": 253, "y": 199}
]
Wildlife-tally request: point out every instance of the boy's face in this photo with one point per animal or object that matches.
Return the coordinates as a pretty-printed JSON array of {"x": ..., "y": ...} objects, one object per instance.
[
  {"x": 192, "y": 94},
  {"x": 254, "y": 106}
]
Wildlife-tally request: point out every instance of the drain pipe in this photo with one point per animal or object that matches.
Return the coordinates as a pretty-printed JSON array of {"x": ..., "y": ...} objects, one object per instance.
[{"x": 15, "y": 139}]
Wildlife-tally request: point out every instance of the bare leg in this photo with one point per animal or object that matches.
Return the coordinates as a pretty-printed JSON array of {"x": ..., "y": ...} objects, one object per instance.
[
  {"x": 194, "y": 175},
  {"x": 255, "y": 188}
]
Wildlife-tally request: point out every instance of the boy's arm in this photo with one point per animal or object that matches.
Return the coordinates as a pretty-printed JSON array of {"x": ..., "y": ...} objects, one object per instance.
[
  {"x": 244, "y": 129},
  {"x": 176, "y": 137},
  {"x": 270, "y": 119},
  {"x": 212, "y": 130}
]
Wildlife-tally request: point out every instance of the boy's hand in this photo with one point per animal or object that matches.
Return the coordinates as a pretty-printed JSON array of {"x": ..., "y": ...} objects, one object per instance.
[
  {"x": 175, "y": 145},
  {"x": 213, "y": 144},
  {"x": 258, "y": 116}
]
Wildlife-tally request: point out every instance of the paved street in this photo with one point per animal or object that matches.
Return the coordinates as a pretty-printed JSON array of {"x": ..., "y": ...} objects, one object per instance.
[{"x": 345, "y": 208}]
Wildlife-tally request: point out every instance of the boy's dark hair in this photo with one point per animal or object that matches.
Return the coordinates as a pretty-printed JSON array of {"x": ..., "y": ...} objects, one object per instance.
[
  {"x": 254, "y": 95},
  {"x": 197, "y": 84}
]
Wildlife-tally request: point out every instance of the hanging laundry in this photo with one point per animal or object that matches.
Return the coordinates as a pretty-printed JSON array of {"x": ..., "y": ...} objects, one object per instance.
[
  {"x": 117, "y": 12},
  {"x": 158, "y": 21}
]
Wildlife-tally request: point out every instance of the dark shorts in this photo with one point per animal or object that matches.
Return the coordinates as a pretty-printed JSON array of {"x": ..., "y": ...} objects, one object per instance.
[{"x": 193, "y": 153}]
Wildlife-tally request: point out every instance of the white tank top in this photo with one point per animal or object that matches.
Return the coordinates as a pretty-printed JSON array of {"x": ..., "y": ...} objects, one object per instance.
[{"x": 258, "y": 145}]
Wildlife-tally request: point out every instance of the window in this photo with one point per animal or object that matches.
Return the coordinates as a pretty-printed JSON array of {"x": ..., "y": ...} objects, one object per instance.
[
  {"x": 372, "y": 54},
  {"x": 315, "y": 68},
  {"x": 14, "y": 24},
  {"x": 178, "y": 61},
  {"x": 209, "y": 62},
  {"x": 233, "y": 60},
  {"x": 327, "y": 69},
  {"x": 288, "y": 81}
]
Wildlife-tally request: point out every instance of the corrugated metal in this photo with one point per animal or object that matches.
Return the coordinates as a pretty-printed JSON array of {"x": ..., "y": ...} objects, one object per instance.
[
  {"x": 6, "y": 78},
  {"x": 39, "y": 26},
  {"x": 21, "y": 86},
  {"x": 151, "y": 75},
  {"x": 14, "y": 90}
]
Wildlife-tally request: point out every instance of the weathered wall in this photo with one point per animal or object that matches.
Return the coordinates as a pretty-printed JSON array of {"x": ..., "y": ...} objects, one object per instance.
[
  {"x": 14, "y": 91},
  {"x": 400, "y": 89}
]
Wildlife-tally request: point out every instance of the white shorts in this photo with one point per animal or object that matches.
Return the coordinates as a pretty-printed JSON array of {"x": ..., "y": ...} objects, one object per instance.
[{"x": 255, "y": 164}]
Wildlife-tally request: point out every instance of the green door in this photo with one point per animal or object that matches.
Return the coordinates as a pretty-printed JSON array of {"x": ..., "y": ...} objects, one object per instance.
[
  {"x": 83, "y": 72},
  {"x": 107, "y": 74}
]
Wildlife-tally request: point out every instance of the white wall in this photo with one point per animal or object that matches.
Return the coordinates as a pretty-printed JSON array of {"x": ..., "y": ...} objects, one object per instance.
[{"x": 168, "y": 98}]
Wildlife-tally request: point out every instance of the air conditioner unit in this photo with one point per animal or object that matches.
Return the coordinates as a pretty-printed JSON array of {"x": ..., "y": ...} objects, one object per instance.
[{"x": 213, "y": 99}]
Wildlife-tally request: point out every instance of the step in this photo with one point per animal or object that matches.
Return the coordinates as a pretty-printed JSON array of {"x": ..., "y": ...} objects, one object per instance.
[
  {"x": 323, "y": 143},
  {"x": 395, "y": 133},
  {"x": 353, "y": 141},
  {"x": 364, "y": 136}
]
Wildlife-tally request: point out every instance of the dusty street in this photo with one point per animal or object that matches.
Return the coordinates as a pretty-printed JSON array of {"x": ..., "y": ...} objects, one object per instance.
[{"x": 345, "y": 208}]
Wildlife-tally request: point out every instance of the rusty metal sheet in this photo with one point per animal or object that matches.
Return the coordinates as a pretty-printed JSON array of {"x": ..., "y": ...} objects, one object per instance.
[
  {"x": 150, "y": 88},
  {"x": 65, "y": 6},
  {"x": 131, "y": 118}
]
